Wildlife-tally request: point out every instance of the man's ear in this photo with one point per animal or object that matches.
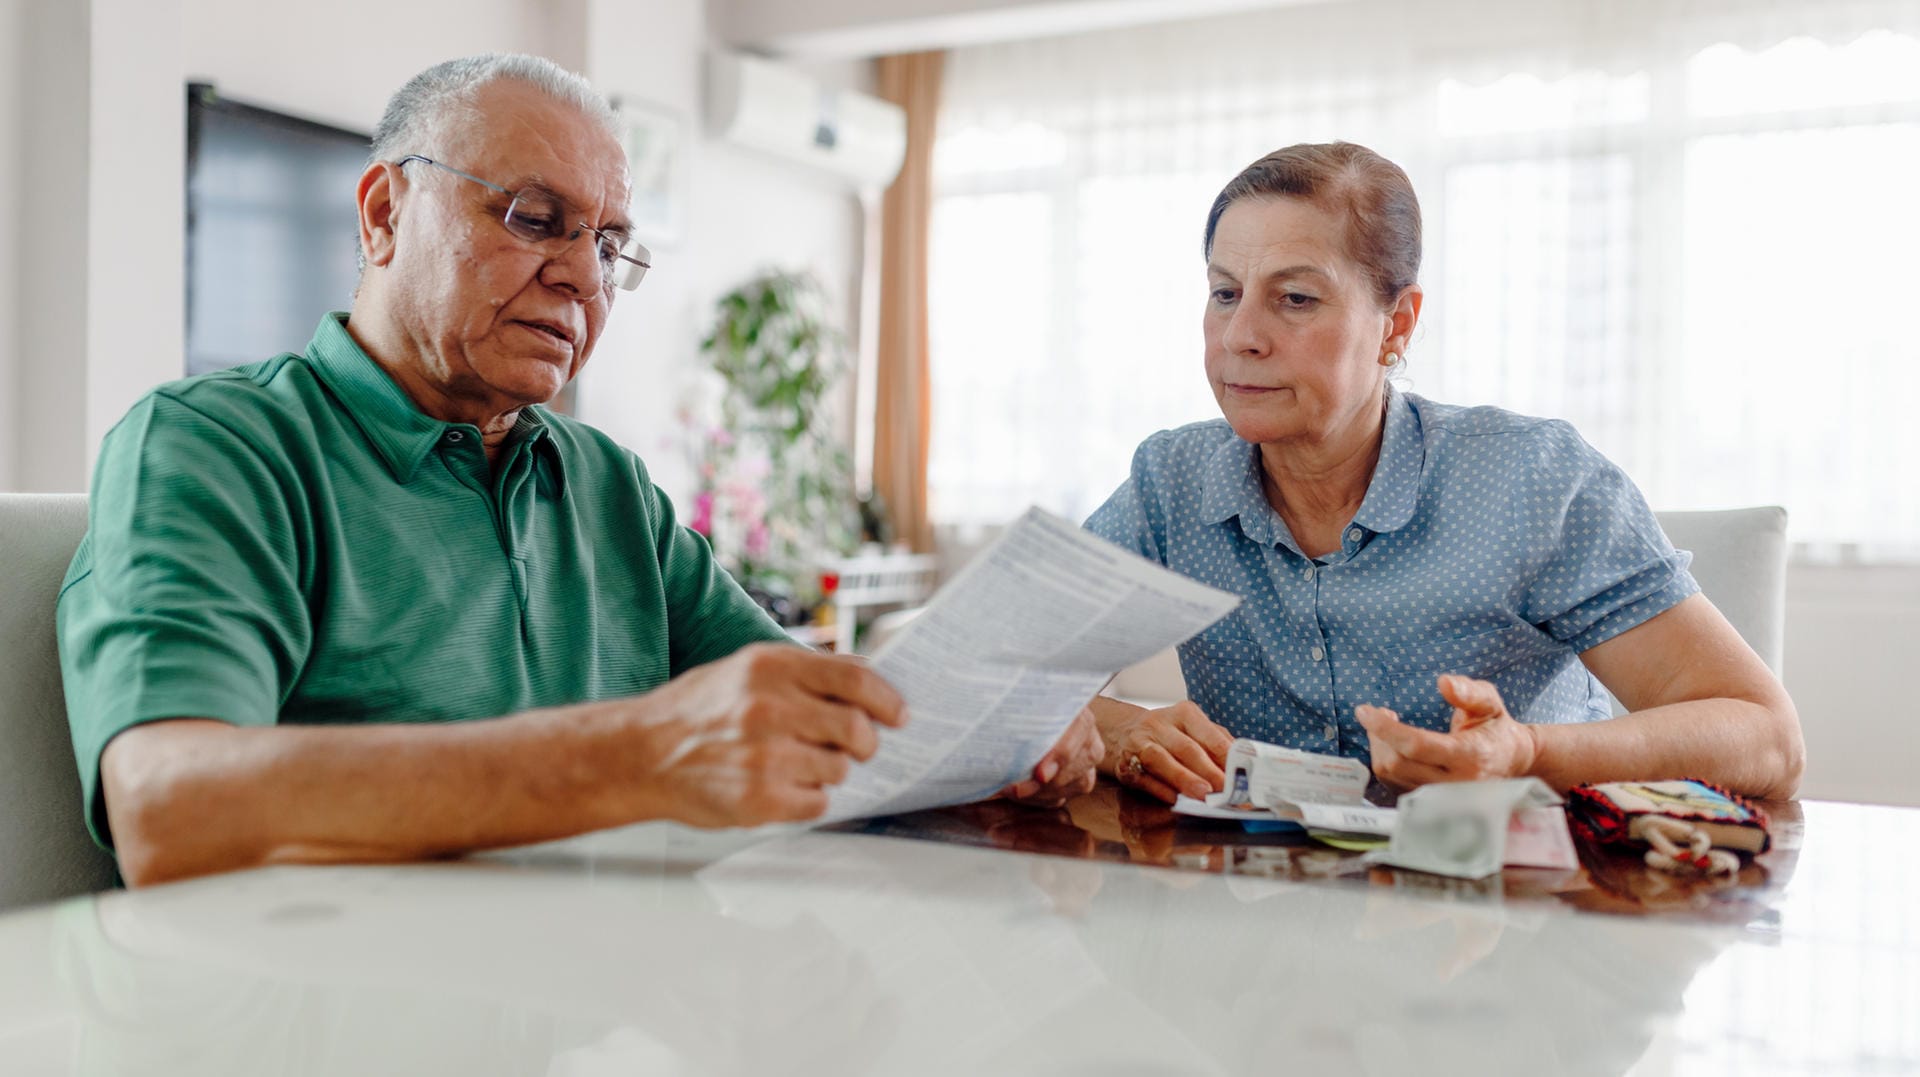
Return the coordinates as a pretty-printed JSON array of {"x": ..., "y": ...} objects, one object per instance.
[{"x": 379, "y": 215}]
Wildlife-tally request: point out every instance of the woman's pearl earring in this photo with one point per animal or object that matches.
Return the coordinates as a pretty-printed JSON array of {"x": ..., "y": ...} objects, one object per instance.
[{"x": 1390, "y": 359}]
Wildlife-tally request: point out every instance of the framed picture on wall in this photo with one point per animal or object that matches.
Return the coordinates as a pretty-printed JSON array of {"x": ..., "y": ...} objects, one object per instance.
[{"x": 655, "y": 138}]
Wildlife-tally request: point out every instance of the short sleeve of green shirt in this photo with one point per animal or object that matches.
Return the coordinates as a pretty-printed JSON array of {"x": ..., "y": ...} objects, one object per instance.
[{"x": 294, "y": 542}]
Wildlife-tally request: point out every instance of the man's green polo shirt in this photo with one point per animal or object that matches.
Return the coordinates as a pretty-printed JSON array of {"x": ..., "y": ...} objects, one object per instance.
[{"x": 294, "y": 541}]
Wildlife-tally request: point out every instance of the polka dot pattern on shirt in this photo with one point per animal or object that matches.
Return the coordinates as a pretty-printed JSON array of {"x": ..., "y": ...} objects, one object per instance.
[{"x": 1491, "y": 544}]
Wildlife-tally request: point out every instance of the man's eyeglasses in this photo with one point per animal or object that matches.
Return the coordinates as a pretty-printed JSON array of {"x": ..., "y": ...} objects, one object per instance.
[{"x": 539, "y": 216}]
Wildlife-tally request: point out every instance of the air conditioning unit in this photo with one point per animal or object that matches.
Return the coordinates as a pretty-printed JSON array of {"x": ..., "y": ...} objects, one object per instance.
[{"x": 775, "y": 109}]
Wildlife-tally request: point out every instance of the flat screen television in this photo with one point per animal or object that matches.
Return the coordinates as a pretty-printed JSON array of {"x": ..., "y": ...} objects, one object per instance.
[{"x": 272, "y": 232}]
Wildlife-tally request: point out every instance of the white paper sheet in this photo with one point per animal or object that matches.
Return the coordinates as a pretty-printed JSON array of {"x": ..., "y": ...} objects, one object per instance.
[
  {"x": 1005, "y": 656},
  {"x": 1218, "y": 806},
  {"x": 1269, "y": 776}
]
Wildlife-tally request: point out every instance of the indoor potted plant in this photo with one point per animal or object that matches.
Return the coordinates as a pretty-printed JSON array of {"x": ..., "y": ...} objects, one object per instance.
[{"x": 775, "y": 485}]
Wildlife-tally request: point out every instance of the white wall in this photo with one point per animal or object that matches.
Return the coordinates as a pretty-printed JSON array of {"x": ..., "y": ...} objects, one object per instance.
[
  {"x": 136, "y": 249},
  {"x": 338, "y": 62},
  {"x": 1852, "y": 636},
  {"x": 13, "y": 90},
  {"x": 91, "y": 114},
  {"x": 746, "y": 213},
  {"x": 50, "y": 262},
  {"x": 861, "y": 28},
  {"x": 93, "y": 263},
  {"x": 51, "y": 423}
]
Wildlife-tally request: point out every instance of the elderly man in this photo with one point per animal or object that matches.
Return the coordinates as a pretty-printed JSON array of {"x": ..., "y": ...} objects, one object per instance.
[{"x": 371, "y": 602}]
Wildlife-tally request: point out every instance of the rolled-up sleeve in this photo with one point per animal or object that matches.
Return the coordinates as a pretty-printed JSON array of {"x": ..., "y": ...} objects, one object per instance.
[
  {"x": 1603, "y": 564},
  {"x": 1127, "y": 518},
  {"x": 185, "y": 597}
]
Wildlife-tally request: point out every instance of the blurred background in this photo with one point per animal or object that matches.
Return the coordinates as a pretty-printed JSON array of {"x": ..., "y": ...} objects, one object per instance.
[{"x": 1688, "y": 227}]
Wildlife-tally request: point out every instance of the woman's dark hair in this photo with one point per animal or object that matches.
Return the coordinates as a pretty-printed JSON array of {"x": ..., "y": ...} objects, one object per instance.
[{"x": 1383, "y": 216}]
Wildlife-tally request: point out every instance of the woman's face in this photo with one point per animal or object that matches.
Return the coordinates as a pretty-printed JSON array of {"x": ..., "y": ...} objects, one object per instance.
[{"x": 1295, "y": 335}]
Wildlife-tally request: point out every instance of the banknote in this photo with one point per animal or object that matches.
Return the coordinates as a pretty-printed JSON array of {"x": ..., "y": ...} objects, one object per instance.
[
  {"x": 1539, "y": 838},
  {"x": 1459, "y": 829}
]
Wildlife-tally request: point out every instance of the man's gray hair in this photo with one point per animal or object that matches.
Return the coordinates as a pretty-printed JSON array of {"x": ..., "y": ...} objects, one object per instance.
[{"x": 442, "y": 94}]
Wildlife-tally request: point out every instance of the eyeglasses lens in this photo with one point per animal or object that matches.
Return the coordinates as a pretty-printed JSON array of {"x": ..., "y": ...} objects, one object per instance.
[
  {"x": 535, "y": 217},
  {"x": 630, "y": 268}
]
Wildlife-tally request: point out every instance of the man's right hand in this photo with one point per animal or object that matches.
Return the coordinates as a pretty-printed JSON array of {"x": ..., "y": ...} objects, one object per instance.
[
  {"x": 1163, "y": 752},
  {"x": 757, "y": 737}
]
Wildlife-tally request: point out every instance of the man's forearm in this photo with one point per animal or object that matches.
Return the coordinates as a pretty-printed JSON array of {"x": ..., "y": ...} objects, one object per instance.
[
  {"x": 756, "y": 737},
  {"x": 189, "y": 797}
]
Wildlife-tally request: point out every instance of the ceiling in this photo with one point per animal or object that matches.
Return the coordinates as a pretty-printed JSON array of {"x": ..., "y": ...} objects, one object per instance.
[{"x": 847, "y": 29}]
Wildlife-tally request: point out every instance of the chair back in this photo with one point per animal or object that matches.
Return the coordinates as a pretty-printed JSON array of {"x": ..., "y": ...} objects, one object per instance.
[
  {"x": 1740, "y": 562},
  {"x": 45, "y": 851}
]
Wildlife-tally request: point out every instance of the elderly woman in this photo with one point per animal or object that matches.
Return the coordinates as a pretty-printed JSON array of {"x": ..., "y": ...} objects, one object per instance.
[{"x": 1431, "y": 588}]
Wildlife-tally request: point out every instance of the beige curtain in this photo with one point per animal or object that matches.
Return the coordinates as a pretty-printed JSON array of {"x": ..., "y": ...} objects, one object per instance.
[{"x": 903, "y": 402}]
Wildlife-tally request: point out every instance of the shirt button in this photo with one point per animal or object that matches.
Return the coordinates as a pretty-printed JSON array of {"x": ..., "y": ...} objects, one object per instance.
[
  {"x": 454, "y": 437},
  {"x": 1330, "y": 732},
  {"x": 1309, "y": 573},
  {"x": 1316, "y": 654},
  {"x": 1353, "y": 534}
]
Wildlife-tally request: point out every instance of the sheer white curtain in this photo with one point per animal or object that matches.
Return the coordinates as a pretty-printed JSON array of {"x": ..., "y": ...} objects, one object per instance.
[{"x": 1687, "y": 227}]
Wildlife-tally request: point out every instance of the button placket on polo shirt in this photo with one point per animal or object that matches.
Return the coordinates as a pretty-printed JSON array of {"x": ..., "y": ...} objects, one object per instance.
[
  {"x": 517, "y": 502},
  {"x": 466, "y": 458}
]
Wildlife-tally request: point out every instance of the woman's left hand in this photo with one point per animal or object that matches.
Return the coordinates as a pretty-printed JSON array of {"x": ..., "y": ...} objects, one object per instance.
[
  {"x": 1485, "y": 741},
  {"x": 1067, "y": 770}
]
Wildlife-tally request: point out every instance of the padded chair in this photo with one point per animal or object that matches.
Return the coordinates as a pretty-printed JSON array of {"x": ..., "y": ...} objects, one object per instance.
[
  {"x": 45, "y": 852},
  {"x": 1739, "y": 560}
]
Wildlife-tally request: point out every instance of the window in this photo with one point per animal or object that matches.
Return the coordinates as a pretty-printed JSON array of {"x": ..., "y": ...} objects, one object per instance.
[{"x": 1691, "y": 235}]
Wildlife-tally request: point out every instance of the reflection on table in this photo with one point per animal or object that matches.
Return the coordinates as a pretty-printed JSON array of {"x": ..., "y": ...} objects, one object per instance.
[
  {"x": 1121, "y": 826},
  {"x": 663, "y": 950}
]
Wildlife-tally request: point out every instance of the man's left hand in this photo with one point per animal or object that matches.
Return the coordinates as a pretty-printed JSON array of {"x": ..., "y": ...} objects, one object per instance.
[
  {"x": 1067, "y": 770},
  {"x": 1484, "y": 742}
]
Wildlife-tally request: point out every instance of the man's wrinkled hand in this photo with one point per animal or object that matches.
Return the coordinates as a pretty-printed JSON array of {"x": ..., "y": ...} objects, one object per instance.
[{"x": 758, "y": 737}]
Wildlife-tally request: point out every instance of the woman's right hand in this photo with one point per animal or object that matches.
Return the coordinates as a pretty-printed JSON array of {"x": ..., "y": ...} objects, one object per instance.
[{"x": 1163, "y": 752}]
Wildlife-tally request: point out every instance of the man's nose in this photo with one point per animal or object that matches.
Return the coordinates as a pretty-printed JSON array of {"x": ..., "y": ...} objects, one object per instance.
[{"x": 576, "y": 268}]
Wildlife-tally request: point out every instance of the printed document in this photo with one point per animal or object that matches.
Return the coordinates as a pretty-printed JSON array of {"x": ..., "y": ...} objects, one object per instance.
[
  {"x": 1005, "y": 656},
  {"x": 1266, "y": 782}
]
